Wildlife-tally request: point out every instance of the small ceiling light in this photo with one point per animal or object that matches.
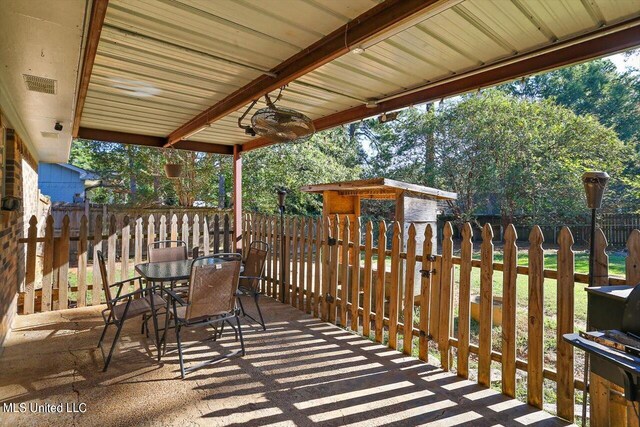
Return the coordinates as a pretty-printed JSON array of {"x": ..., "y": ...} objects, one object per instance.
[
  {"x": 358, "y": 50},
  {"x": 371, "y": 104}
]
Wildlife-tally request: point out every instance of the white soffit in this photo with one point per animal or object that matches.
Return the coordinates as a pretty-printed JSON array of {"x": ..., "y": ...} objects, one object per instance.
[{"x": 43, "y": 39}]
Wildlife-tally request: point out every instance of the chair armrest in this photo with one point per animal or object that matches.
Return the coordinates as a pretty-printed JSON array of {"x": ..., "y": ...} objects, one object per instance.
[
  {"x": 175, "y": 297},
  {"x": 122, "y": 282},
  {"x": 126, "y": 296}
]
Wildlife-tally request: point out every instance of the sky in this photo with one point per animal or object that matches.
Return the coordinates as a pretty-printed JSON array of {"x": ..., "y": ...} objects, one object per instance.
[{"x": 623, "y": 63}]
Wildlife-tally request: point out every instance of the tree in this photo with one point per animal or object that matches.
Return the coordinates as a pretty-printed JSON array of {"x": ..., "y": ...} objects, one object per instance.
[
  {"x": 135, "y": 174},
  {"x": 327, "y": 157},
  {"x": 595, "y": 88},
  {"x": 500, "y": 154}
]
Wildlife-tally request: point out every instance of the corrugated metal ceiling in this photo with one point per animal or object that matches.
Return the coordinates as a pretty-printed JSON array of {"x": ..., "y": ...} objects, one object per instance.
[{"x": 161, "y": 62}]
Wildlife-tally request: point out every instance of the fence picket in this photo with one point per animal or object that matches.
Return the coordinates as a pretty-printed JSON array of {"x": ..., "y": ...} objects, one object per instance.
[
  {"x": 174, "y": 227},
  {"x": 446, "y": 300},
  {"x": 464, "y": 319},
  {"x": 185, "y": 231},
  {"x": 196, "y": 231},
  {"x": 407, "y": 336},
  {"x": 227, "y": 235},
  {"x": 536, "y": 320},
  {"x": 111, "y": 249},
  {"x": 302, "y": 270},
  {"x": 63, "y": 270},
  {"x": 565, "y": 305},
  {"x": 47, "y": 275},
  {"x": 333, "y": 270},
  {"x": 151, "y": 231},
  {"x": 216, "y": 234},
  {"x": 295, "y": 285},
  {"x": 425, "y": 293},
  {"x": 30, "y": 267},
  {"x": 137, "y": 257},
  {"x": 83, "y": 246},
  {"x": 394, "y": 290},
  {"x": 366, "y": 280},
  {"x": 163, "y": 227},
  {"x": 632, "y": 263},
  {"x": 486, "y": 307},
  {"x": 318, "y": 279},
  {"x": 124, "y": 248},
  {"x": 601, "y": 261},
  {"x": 509, "y": 282},
  {"x": 344, "y": 271},
  {"x": 206, "y": 242},
  {"x": 355, "y": 274},
  {"x": 96, "y": 291},
  {"x": 380, "y": 281}
]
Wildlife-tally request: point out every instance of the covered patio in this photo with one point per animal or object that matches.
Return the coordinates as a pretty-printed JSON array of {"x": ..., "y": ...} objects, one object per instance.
[
  {"x": 352, "y": 344},
  {"x": 301, "y": 371}
]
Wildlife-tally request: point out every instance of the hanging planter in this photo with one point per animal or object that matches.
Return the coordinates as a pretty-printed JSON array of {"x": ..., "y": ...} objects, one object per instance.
[
  {"x": 173, "y": 170},
  {"x": 173, "y": 166}
]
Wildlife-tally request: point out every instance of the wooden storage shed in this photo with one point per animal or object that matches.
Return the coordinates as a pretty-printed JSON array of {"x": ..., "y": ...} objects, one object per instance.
[{"x": 415, "y": 204}]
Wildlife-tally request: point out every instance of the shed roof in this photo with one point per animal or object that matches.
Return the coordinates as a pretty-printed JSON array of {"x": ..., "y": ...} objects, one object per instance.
[{"x": 378, "y": 188}]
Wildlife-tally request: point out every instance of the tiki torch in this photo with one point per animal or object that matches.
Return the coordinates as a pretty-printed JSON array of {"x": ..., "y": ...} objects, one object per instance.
[{"x": 594, "y": 185}]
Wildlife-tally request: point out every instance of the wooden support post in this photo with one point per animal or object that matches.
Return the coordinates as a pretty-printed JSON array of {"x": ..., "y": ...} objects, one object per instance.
[{"x": 237, "y": 197}]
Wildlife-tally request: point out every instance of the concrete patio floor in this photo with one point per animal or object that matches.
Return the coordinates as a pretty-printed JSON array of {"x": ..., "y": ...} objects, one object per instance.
[{"x": 301, "y": 371}]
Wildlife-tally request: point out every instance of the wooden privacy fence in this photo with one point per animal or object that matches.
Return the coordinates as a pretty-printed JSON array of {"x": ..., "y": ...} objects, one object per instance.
[
  {"x": 370, "y": 290},
  {"x": 59, "y": 272}
]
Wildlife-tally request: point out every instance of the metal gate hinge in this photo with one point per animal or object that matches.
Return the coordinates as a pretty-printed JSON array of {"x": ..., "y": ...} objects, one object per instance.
[
  {"x": 427, "y": 273},
  {"x": 329, "y": 298}
]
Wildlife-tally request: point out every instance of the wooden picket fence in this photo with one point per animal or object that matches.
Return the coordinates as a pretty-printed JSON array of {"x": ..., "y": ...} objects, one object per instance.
[
  {"x": 51, "y": 256},
  {"x": 325, "y": 258}
]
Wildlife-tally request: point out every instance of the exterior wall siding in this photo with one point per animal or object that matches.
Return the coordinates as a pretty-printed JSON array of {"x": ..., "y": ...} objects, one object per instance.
[{"x": 60, "y": 183}]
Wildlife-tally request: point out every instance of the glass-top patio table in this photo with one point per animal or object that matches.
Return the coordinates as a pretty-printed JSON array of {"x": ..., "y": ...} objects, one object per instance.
[{"x": 170, "y": 271}]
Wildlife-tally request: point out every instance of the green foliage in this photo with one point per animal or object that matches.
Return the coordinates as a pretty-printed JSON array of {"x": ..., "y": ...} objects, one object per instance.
[
  {"x": 327, "y": 157},
  {"x": 499, "y": 153},
  {"x": 596, "y": 88},
  {"x": 135, "y": 174}
]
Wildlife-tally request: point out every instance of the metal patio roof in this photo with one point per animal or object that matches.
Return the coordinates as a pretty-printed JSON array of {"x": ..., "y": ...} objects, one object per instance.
[{"x": 161, "y": 72}]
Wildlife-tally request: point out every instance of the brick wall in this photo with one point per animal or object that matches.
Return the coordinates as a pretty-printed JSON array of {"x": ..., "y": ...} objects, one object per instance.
[
  {"x": 18, "y": 163},
  {"x": 11, "y": 268}
]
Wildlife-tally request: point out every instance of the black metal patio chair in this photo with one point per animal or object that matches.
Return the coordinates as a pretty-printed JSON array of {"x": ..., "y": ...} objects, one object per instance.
[
  {"x": 252, "y": 275},
  {"x": 142, "y": 301},
  {"x": 212, "y": 302},
  {"x": 167, "y": 250}
]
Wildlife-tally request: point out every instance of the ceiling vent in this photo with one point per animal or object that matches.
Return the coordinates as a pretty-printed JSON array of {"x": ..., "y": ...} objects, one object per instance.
[
  {"x": 49, "y": 134},
  {"x": 40, "y": 84}
]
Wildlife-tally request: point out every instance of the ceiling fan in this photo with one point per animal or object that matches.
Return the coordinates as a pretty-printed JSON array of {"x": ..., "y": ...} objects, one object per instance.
[{"x": 278, "y": 124}]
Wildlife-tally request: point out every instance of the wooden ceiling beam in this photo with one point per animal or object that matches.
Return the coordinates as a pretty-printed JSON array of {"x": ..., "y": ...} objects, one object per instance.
[
  {"x": 98, "y": 13},
  {"x": 371, "y": 23},
  {"x": 151, "y": 141},
  {"x": 546, "y": 59}
]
